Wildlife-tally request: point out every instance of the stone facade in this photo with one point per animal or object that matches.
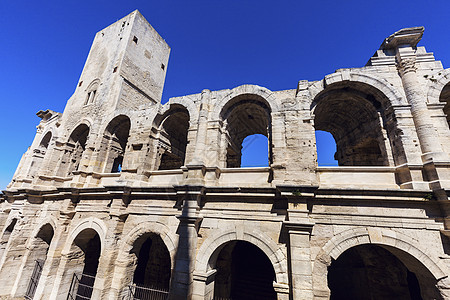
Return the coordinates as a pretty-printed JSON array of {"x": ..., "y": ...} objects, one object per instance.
[{"x": 135, "y": 193}]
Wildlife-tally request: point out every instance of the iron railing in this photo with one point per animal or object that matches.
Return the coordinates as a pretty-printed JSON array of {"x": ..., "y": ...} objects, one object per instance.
[
  {"x": 34, "y": 280},
  {"x": 81, "y": 287},
  {"x": 139, "y": 292}
]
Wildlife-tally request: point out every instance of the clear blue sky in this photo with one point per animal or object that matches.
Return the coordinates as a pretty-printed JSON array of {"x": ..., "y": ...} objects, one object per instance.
[{"x": 215, "y": 45}]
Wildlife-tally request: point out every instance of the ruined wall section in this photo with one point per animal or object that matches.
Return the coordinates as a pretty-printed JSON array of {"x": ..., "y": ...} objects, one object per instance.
[{"x": 35, "y": 160}]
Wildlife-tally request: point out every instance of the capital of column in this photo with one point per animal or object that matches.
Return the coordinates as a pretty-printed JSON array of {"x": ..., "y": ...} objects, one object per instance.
[{"x": 406, "y": 65}]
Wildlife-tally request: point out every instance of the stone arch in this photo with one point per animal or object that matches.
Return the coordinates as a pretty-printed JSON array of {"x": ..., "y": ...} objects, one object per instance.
[
  {"x": 247, "y": 89},
  {"x": 343, "y": 241},
  {"x": 118, "y": 113},
  {"x": 49, "y": 220},
  {"x": 123, "y": 270},
  {"x": 355, "y": 109},
  {"x": 39, "y": 152},
  {"x": 393, "y": 95},
  {"x": 172, "y": 126},
  {"x": 212, "y": 245},
  {"x": 36, "y": 255},
  {"x": 8, "y": 241},
  {"x": 5, "y": 235},
  {"x": 186, "y": 102},
  {"x": 160, "y": 229},
  {"x": 10, "y": 224},
  {"x": 246, "y": 111},
  {"x": 81, "y": 254},
  {"x": 89, "y": 223},
  {"x": 435, "y": 87},
  {"x": 84, "y": 121},
  {"x": 113, "y": 143},
  {"x": 46, "y": 138},
  {"x": 75, "y": 142}
]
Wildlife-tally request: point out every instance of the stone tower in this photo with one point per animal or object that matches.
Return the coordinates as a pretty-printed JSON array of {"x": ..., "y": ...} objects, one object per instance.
[{"x": 121, "y": 197}]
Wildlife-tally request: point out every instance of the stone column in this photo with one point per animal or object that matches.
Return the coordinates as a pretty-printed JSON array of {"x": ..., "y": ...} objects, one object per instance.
[
  {"x": 300, "y": 257},
  {"x": 182, "y": 279},
  {"x": 403, "y": 43},
  {"x": 299, "y": 226},
  {"x": 416, "y": 98},
  {"x": 202, "y": 129},
  {"x": 104, "y": 277}
]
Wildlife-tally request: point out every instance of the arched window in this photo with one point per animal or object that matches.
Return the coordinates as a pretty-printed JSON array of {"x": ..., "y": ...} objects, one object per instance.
[
  {"x": 173, "y": 134},
  {"x": 353, "y": 116},
  {"x": 244, "y": 116},
  {"x": 114, "y": 143},
  {"x": 43, "y": 145},
  {"x": 39, "y": 154},
  {"x": 76, "y": 147},
  {"x": 91, "y": 92}
]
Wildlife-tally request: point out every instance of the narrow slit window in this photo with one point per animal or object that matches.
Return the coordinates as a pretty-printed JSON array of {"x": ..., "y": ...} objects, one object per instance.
[{"x": 87, "y": 98}]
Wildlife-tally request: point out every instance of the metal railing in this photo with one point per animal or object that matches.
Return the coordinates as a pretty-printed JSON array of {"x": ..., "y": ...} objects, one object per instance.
[
  {"x": 139, "y": 292},
  {"x": 81, "y": 287},
  {"x": 34, "y": 280}
]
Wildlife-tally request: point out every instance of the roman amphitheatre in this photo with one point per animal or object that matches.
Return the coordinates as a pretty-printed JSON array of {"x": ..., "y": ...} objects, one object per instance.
[{"x": 122, "y": 197}]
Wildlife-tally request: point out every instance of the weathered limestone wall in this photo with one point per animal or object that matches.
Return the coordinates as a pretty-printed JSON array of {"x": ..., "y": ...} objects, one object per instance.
[{"x": 118, "y": 172}]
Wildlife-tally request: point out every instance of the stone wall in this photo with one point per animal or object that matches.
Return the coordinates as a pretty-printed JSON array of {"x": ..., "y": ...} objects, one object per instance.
[{"x": 119, "y": 172}]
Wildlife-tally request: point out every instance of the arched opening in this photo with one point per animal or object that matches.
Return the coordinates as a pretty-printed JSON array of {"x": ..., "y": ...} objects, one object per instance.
[
  {"x": 5, "y": 237},
  {"x": 326, "y": 149},
  {"x": 255, "y": 151},
  {"x": 445, "y": 97},
  {"x": 114, "y": 143},
  {"x": 74, "y": 150},
  {"x": 153, "y": 267},
  {"x": 353, "y": 114},
  {"x": 379, "y": 272},
  {"x": 39, "y": 154},
  {"x": 35, "y": 262},
  {"x": 91, "y": 92},
  {"x": 243, "y": 272},
  {"x": 245, "y": 116},
  {"x": 43, "y": 145},
  {"x": 83, "y": 263},
  {"x": 10, "y": 262},
  {"x": 173, "y": 139}
]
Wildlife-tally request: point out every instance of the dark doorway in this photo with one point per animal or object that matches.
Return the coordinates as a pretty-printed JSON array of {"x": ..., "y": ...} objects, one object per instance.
[
  {"x": 243, "y": 272},
  {"x": 86, "y": 251},
  {"x": 153, "y": 263},
  {"x": 371, "y": 272}
]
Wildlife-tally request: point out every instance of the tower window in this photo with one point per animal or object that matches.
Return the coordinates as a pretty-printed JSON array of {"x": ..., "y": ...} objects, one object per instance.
[
  {"x": 135, "y": 39},
  {"x": 91, "y": 92}
]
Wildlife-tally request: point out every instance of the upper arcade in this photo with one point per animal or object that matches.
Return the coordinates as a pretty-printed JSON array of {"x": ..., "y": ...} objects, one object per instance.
[{"x": 388, "y": 119}]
